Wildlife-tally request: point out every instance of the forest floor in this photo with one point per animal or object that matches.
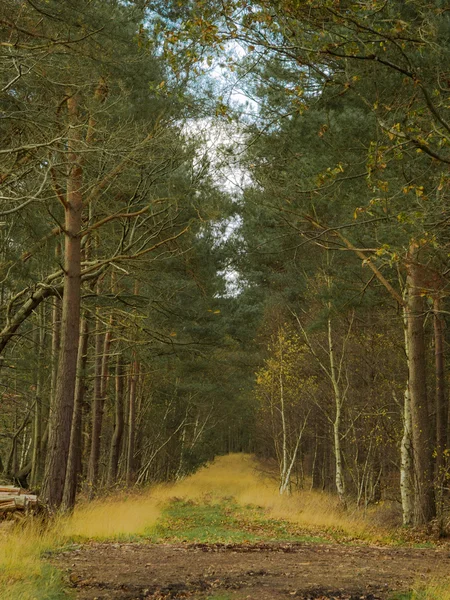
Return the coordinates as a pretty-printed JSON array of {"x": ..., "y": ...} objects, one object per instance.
[
  {"x": 223, "y": 533},
  {"x": 261, "y": 571}
]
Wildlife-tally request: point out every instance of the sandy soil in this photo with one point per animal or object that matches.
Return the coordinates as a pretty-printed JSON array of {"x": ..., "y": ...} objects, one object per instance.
[{"x": 130, "y": 571}]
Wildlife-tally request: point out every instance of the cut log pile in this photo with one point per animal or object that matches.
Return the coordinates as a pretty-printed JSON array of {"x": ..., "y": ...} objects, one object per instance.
[{"x": 15, "y": 499}]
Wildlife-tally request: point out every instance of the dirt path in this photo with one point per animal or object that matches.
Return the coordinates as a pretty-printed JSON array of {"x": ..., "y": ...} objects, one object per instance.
[{"x": 253, "y": 572}]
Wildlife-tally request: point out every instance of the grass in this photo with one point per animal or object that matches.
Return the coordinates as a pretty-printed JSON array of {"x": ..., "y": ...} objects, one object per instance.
[
  {"x": 47, "y": 584},
  {"x": 223, "y": 522},
  {"x": 229, "y": 501},
  {"x": 23, "y": 574},
  {"x": 187, "y": 521},
  {"x": 116, "y": 518},
  {"x": 236, "y": 476},
  {"x": 233, "y": 476},
  {"x": 432, "y": 591}
]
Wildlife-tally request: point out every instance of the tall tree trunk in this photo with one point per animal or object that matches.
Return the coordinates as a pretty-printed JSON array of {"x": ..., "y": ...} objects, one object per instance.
[
  {"x": 36, "y": 460},
  {"x": 97, "y": 411},
  {"x": 288, "y": 455},
  {"x": 118, "y": 424},
  {"x": 132, "y": 422},
  {"x": 180, "y": 470},
  {"x": 56, "y": 346},
  {"x": 441, "y": 404},
  {"x": 284, "y": 479},
  {"x": 102, "y": 347},
  {"x": 61, "y": 412},
  {"x": 74, "y": 460},
  {"x": 340, "y": 481},
  {"x": 406, "y": 452},
  {"x": 406, "y": 464},
  {"x": 37, "y": 440},
  {"x": 105, "y": 359},
  {"x": 314, "y": 466},
  {"x": 424, "y": 509},
  {"x": 134, "y": 377},
  {"x": 56, "y": 336}
]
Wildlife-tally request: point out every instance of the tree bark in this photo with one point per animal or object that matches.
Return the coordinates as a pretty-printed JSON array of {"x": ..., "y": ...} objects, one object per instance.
[
  {"x": 441, "y": 404},
  {"x": 132, "y": 422},
  {"x": 406, "y": 464},
  {"x": 56, "y": 342},
  {"x": 74, "y": 460},
  {"x": 424, "y": 509},
  {"x": 406, "y": 451},
  {"x": 284, "y": 478},
  {"x": 340, "y": 481},
  {"x": 118, "y": 425},
  {"x": 36, "y": 473},
  {"x": 61, "y": 412},
  {"x": 97, "y": 412},
  {"x": 134, "y": 376}
]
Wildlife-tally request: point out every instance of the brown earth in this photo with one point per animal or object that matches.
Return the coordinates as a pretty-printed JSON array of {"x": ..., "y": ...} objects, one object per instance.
[{"x": 132, "y": 571}]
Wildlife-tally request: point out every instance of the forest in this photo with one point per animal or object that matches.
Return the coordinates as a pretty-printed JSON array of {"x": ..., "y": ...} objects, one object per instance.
[{"x": 224, "y": 228}]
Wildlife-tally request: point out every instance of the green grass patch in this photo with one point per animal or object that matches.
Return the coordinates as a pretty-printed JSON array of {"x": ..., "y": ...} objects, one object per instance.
[
  {"x": 429, "y": 591},
  {"x": 224, "y": 522}
]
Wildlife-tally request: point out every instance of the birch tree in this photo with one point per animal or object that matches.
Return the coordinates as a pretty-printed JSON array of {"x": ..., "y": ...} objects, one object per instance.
[{"x": 286, "y": 395}]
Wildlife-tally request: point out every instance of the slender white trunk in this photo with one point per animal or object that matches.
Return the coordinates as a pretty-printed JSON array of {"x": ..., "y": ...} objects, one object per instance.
[
  {"x": 340, "y": 482},
  {"x": 180, "y": 471},
  {"x": 406, "y": 451},
  {"x": 406, "y": 464},
  {"x": 284, "y": 478}
]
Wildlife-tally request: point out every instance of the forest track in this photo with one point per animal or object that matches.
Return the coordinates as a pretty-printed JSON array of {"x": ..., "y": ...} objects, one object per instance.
[{"x": 262, "y": 571}]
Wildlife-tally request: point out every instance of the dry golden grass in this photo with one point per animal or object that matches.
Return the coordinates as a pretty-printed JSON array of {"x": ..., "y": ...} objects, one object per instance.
[
  {"x": 21, "y": 548},
  {"x": 136, "y": 513},
  {"x": 239, "y": 476},
  {"x": 434, "y": 590},
  {"x": 114, "y": 517},
  {"x": 233, "y": 475}
]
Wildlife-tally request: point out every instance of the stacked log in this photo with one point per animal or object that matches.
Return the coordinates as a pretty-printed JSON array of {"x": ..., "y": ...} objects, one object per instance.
[{"x": 15, "y": 499}]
